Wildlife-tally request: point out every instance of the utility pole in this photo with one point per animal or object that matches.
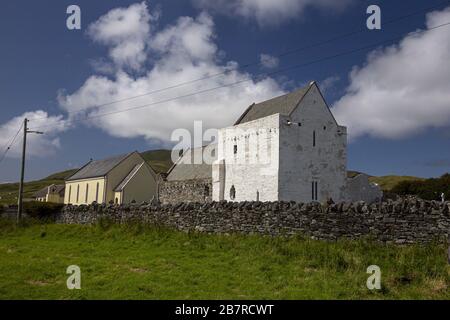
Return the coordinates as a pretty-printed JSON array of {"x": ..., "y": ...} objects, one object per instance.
[{"x": 22, "y": 171}]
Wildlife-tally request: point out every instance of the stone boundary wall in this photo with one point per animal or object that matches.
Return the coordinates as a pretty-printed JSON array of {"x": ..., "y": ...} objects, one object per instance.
[
  {"x": 172, "y": 192},
  {"x": 401, "y": 222}
]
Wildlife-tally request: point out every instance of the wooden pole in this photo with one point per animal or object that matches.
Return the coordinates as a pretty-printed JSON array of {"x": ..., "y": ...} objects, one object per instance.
[{"x": 22, "y": 173}]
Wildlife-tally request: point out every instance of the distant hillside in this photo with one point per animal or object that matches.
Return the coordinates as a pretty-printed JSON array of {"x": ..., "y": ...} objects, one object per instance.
[
  {"x": 61, "y": 175},
  {"x": 159, "y": 160},
  {"x": 428, "y": 189},
  {"x": 388, "y": 182}
]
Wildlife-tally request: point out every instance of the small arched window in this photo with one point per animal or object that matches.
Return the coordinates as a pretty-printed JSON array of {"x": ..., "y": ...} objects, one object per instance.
[
  {"x": 78, "y": 192},
  {"x": 206, "y": 191},
  {"x": 70, "y": 193},
  {"x": 232, "y": 193},
  {"x": 117, "y": 201}
]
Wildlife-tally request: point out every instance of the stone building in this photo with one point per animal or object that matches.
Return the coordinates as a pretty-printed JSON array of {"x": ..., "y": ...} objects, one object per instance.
[
  {"x": 289, "y": 148},
  {"x": 359, "y": 188},
  {"x": 53, "y": 193},
  {"x": 120, "y": 179},
  {"x": 189, "y": 179}
]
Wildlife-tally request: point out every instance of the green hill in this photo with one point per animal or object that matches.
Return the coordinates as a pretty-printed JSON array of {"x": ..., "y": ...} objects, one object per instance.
[
  {"x": 388, "y": 182},
  {"x": 159, "y": 160}
]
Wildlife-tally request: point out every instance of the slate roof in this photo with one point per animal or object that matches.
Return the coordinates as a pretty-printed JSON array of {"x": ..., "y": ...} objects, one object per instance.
[
  {"x": 129, "y": 177},
  {"x": 41, "y": 193},
  {"x": 98, "y": 168},
  {"x": 58, "y": 188},
  {"x": 284, "y": 105},
  {"x": 185, "y": 169}
]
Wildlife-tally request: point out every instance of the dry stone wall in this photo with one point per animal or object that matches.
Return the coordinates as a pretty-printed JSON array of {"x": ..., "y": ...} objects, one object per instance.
[
  {"x": 172, "y": 192},
  {"x": 401, "y": 222}
]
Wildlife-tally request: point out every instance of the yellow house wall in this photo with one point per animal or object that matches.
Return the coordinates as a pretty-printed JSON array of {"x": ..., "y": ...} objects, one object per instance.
[
  {"x": 54, "y": 198},
  {"x": 142, "y": 187},
  {"x": 71, "y": 190},
  {"x": 118, "y": 197},
  {"x": 116, "y": 175}
]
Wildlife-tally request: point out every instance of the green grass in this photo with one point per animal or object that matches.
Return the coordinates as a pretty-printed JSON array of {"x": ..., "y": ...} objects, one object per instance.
[{"x": 140, "y": 262}]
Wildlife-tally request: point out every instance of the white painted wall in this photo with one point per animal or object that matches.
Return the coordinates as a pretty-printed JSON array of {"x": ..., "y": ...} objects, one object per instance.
[
  {"x": 286, "y": 161},
  {"x": 254, "y": 168},
  {"x": 301, "y": 162}
]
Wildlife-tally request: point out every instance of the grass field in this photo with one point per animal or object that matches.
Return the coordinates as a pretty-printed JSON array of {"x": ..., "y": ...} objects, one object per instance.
[{"x": 140, "y": 262}]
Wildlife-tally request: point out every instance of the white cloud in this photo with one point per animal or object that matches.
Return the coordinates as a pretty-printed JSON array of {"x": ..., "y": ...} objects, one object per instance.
[
  {"x": 126, "y": 31},
  {"x": 180, "y": 52},
  {"x": 329, "y": 83},
  {"x": 270, "y": 12},
  {"x": 37, "y": 145},
  {"x": 268, "y": 61},
  {"x": 402, "y": 89}
]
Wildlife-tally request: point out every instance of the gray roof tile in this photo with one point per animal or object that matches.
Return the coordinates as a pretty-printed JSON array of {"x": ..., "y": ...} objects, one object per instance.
[
  {"x": 98, "y": 168},
  {"x": 185, "y": 169},
  {"x": 284, "y": 105},
  {"x": 57, "y": 188}
]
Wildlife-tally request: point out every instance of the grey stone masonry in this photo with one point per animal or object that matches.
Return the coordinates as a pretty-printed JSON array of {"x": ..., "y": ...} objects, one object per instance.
[
  {"x": 400, "y": 222},
  {"x": 185, "y": 191}
]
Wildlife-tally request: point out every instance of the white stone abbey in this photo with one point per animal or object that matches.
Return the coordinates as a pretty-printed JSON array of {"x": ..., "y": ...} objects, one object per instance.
[{"x": 289, "y": 148}]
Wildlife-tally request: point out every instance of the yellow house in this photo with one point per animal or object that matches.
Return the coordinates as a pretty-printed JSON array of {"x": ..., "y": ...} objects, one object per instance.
[
  {"x": 53, "y": 193},
  {"x": 120, "y": 179}
]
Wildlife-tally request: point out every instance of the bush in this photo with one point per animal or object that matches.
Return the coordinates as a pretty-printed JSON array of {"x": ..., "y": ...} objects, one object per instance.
[
  {"x": 42, "y": 210},
  {"x": 429, "y": 189}
]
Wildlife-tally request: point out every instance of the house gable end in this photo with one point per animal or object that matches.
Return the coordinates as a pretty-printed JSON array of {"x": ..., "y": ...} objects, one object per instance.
[{"x": 313, "y": 106}]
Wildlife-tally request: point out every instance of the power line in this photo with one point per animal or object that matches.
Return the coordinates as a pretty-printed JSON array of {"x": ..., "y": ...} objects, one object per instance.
[
  {"x": 257, "y": 62},
  {"x": 8, "y": 146},
  {"x": 286, "y": 69}
]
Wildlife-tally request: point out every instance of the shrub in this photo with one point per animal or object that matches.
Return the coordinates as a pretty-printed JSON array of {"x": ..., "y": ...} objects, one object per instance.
[
  {"x": 42, "y": 210},
  {"x": 429, "y": 189}
]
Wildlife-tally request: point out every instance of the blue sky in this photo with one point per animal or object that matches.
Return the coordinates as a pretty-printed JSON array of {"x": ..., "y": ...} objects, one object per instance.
[{"x": 41, "y": 59}]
